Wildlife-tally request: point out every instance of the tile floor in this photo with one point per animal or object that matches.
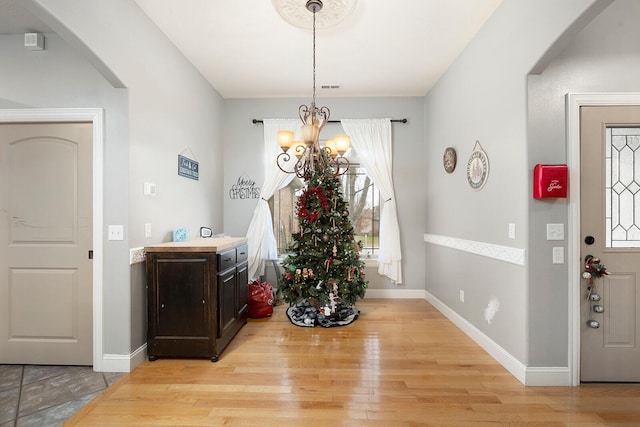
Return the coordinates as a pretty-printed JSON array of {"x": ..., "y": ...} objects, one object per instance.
[{"x": 43, "y": 396}]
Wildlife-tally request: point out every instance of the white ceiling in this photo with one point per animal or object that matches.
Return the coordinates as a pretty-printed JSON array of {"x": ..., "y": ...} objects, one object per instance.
[{"x": 246, "y": 50}]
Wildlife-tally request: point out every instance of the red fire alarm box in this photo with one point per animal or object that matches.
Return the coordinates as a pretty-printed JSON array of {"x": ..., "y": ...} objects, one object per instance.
[{"x": 550, "y": 181}]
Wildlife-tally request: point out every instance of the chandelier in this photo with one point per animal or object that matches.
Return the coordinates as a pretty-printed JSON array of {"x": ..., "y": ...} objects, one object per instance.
[{"x": 312, "y": 159}]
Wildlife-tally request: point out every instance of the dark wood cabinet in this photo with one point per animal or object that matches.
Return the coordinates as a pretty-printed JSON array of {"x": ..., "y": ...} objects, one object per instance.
[{"x": 196, "y": 296}]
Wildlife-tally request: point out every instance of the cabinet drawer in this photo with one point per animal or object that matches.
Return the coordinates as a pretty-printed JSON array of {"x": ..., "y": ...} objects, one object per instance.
[
  {"x": 242, "y": 253},
  {"x": 226, "y": 260}
]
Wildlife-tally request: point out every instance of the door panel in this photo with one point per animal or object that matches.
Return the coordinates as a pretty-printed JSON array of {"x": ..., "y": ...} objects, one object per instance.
[
  {"x": 242, "y": 280},
  {"x": 45, "y": 236},
  {"x": 619, "y": 291},
  {"x": 32, "y": 314},
  {"x": 226, "y": 301},
  {"x": 42, "y": 175},
  {"x": 182, "y": 295},
  {"x": 610, "y": 212}
]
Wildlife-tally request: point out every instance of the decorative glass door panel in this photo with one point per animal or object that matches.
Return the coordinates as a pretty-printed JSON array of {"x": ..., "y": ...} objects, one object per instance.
[{"x": 622, "y": 187}]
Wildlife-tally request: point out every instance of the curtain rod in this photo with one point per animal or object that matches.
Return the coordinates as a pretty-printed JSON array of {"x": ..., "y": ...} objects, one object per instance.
[{"x": 258, "y": 121}]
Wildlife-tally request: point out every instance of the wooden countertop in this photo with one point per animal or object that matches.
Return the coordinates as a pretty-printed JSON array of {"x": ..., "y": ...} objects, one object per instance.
[{"x": 215, "y": 244}]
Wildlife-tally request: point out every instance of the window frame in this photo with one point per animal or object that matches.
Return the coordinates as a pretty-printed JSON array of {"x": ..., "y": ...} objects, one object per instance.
[{"x": 281, "y": 232}]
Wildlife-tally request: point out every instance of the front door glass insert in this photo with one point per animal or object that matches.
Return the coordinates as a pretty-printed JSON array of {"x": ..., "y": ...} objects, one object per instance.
[{"x": 622, "y": 188}]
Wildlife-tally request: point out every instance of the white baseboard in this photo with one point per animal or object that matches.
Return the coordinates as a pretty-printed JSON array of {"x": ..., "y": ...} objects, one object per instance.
[
  {"x": 548, "y": 376},
  {"x": 529, "y": 376},
  {"x": 395, "y": 293},
  {"x": 502, "y": 356},
  {"x": 124, "y": 362}
]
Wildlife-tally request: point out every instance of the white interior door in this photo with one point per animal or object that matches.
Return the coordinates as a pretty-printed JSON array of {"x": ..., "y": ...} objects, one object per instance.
[
  {"x": 45, "y": 239},
  {"x": 610, "y": 231}
]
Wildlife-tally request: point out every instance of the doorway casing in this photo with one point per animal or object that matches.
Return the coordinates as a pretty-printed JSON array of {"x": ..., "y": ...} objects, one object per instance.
[
  {"x": 96, "y": 117},
  {"x": 573, "y": 102}
]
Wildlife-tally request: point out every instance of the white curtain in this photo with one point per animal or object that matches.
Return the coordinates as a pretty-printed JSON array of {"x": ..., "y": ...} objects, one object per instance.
[
  {"x": 371, "y": 138},
  {"x": 262, "y": 243}
]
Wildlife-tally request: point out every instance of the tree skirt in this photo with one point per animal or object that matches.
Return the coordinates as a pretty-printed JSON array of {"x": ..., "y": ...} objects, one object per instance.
[{"x": 305, "y": 315}]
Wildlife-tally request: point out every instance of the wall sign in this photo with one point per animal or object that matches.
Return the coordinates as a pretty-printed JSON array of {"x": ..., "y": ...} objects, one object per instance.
[
  {"x": 244, "y": 188},
  {"x": 477, "y": 167},
  {"x": 187, "y": 167}
]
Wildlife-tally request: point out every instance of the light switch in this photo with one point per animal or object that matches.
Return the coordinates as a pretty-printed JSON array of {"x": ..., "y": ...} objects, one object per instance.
[
  {"x": 555, "y": 231},
  {"x": 149, "y": 189},
  {"x": 512, "y": 231},
  {"x": 116, "y": 232}
]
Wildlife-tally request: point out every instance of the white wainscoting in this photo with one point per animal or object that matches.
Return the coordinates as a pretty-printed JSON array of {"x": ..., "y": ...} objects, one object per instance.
[{"x": 501, "y": 253}]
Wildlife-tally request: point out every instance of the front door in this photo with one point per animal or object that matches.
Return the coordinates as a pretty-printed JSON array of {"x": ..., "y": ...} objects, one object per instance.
[
  {"x": 610, "y": 232},
  {"x": 45, "y": 238}
]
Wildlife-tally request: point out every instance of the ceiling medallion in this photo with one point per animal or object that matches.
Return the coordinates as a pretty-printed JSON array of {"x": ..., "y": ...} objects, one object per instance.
[{"x": 332, "y": 13}]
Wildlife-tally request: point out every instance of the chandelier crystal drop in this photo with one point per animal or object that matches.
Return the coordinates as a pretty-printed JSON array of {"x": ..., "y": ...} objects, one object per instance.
[{"x": 313, "y": 159}]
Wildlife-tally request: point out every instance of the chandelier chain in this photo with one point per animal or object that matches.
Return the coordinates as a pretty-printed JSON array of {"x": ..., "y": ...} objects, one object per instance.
[
  {"x": 314, "y": 56},
  {"x": 312, "y": 159}
]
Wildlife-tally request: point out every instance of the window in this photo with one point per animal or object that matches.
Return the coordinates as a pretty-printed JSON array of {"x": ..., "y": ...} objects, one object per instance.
[
  {"x": 622, "y": 188},
  {"x": 364, "y": 208},
  {"x": 283, "y": 210},
  {"x": 358, "y": 191}
]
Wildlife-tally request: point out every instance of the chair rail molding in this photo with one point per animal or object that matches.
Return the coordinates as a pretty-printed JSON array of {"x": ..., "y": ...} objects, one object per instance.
[{"x": 502, "y": 253}]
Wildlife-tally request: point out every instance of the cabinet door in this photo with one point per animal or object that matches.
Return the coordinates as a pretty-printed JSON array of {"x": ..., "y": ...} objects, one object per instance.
[
  {"x": 242, "y": 281},
  {"x": 226, "y": 301},
  {"x": 181, "y": 297}
]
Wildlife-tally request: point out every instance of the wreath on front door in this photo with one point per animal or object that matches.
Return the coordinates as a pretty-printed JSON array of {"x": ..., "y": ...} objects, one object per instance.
[{"x": 593, "y": 269}]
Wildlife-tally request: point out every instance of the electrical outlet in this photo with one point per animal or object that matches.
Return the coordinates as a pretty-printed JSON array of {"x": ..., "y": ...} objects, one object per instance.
[
  {"x": 147, "y": 230},
  {"x": 512, "y": 231},
  {"x": 461, "y": 295}
]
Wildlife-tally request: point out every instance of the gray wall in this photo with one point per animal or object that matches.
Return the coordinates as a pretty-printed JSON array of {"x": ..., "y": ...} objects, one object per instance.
[
  {"x": 604, "y": 57},
  {"x": 244, "y": 154},
  {"x": 483, "y": 96},
  {"x": 167, "y": 109}
]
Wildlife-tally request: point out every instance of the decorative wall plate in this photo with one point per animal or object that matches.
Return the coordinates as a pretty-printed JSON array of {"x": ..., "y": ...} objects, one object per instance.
[
  {"x": 449, "y": 159},
  {"x": 477, "y": 167}
]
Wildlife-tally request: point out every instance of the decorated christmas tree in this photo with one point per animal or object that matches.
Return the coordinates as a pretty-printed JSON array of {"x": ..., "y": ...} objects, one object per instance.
[{"x": 323, "y": 271}]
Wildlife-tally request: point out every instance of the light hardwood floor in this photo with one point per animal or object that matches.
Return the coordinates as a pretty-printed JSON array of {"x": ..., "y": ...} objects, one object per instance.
[{"x": 400, "y": 364}]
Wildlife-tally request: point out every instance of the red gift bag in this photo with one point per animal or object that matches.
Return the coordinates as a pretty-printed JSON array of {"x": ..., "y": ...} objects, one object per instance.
[{"x": 260, "y": 299}]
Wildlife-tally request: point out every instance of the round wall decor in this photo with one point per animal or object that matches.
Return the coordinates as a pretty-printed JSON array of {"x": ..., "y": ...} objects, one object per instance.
[
  {"x": 449, "y": 159},
  {"x": 477, "y": 167}
]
